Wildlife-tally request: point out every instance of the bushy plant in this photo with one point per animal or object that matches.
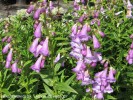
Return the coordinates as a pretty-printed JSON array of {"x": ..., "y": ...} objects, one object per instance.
[{"x": 82, "y": 53}]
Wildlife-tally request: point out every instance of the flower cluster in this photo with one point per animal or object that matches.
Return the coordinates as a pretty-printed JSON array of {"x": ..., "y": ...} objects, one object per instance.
[
  {"x": 129, "y": 57},
  {"x": 129, "y": 7},
  {"x": 8, "y": 49},
  {"x": 102, "y": 81},
  {"x": 39, "y": 46},
  {"x": 87, "y": 57}
]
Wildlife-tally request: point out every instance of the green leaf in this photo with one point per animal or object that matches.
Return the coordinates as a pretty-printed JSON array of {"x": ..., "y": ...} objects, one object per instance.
[
  {"x": 70, "y": 79},
  {"x": 28, "y": 62},
  {"x": 109, "y": 97},
  {"x": 48, "y": 90},
  {"x": 5, "y": 91},
  {"x": 48, "y": 81},
  {"x": 64, "y": 87},
  {"x": 57, "y": 67}
]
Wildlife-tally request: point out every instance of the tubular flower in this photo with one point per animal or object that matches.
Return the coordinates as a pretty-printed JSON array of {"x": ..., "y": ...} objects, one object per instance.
[
  {"x": 30, "y": 9},
  {"x": 38, "y": 32},
  {"x": 45, "y": 49},
  {"x": 4, "y": 39},
  {"x": 8, "y": 64},
  {"x": 80, "y": 66},
  {"x": 34, "y": 45},
  {"x": 37, "y": 14},
  {"x": 14, "y": 68},
  {"x": 83, "y": 35},
  {"x": 96, "y": 43},
  {"x": 6, "y": 48},
  {"x": 37, "y": 66},
  {"x": 9, "y": 56}
]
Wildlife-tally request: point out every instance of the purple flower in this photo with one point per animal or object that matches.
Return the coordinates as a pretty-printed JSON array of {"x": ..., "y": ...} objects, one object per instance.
[
  {"x": 81, "y": 19},
  {"x": 30, "y": 9},
  {"x": 86, "y": 79},
  {"x": 14, "y": 68},
  {"x": 89, "y": 58},
  {"x": 37, "y": 13},
  {"x": 83, "y": 35},
  {"x": 4, "y": 39},
  {"x": 45, "y": 49},
  {"x": 9, "y": 39},
  {"x": 36, "y": 53},
  {"x": 99, "y": 95},
  {"x": 98, "y": 56},
  {"x": 44, "y": 2},
  {"x": 8, "y": 64},
  {"x": 93, "y": 64},
  {"x": 131, "y": 53},
  {"x": 37, "y": 66},
  {"x": 76, "y": 45},
  {"x": 84, "y": 50},
  {"x": 76, "y": 55},
  {"x": 38, "y": 32},
  {"x": 130, "y": 61},
  {"x": 80, "y": 75},
  {"x": 96, "y": 14},
  {"x": 9, "y": 56},
  {"x": 87, "y": 90},
  {"x": 42, "y": 10},
  {"x": 111, "y": 78},
  {"x": 106, "y": 64},
  {"x": 34, "y": 45},
  {"x": 129, "y": 5},
  {"x": 51, "y": 5},
  {"x": 96, "y": 87},
  {"x": 6, "y": 48},
  {"x": 96, "y": 43},
  {"x": 79, "y": 67},
  {"x": 131, "y": 46},
  {"x": 57, "y": 58},
  {"x": 42, "y": 63},
  {"x": 108, "y": 89},
  {"x": 104, "y": 74},
  {"x": 131, "y": 36},
  {"x": 98, "y": 22},
  {"x": 88, "y": 29},
  {"x": 101, "y": 34}
]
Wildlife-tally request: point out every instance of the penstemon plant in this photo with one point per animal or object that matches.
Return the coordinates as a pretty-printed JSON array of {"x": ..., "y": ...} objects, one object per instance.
[{"x": 82, "y": 53}]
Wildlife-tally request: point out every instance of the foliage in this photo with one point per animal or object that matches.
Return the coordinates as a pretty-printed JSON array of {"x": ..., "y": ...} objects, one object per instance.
[{"x": 55, "y": 81}]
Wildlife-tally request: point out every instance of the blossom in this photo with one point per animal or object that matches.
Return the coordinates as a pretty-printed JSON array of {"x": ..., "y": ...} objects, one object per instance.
[
  {"x": 79, "y": 67},
  {"x": 15, "y": 68},
  {"x": 30, "y": 9},
  {"x": 45, "y": 49},
  {"x": 83, "y": 35},
  {"x": 129, "y": 5},
  {"x": 6, "y": 48},
  {"x": 34, "y": 45},
  {"x": 8, "y": 64},
  {"x": 102, "y": 34},
  {"x": 108, "y": 89},
  {"x": 38, "y": 32},
  {"x": 4, "y": 39},
  {"x": 111, "y": 78},
  {"x": 37, "y": 65},
  {"x": 57, "y": 58},
  {"x": 37, "y": 13},
  {"x": 9, "y": 56},
  {"x": 96, "y": 43}
]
